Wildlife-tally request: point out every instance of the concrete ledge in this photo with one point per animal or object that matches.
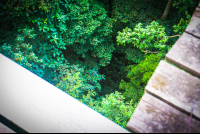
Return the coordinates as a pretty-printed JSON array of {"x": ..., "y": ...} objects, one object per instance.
[
  {"x": 39, "y": 107},
  {"x": 5, "y": 129}
]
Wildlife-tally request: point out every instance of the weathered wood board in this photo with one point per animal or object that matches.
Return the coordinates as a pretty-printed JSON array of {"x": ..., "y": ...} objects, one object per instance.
[
  {"x": 154, "y": 116},
  {"x": 171, "y": 102},
  {"x": 39, "y": 107},
  {"x": 5, "y": 129},
  {"x": 186, "y": 54},
  {"x": 194, "y": 25},
  {"x": 176, "y": 87}
]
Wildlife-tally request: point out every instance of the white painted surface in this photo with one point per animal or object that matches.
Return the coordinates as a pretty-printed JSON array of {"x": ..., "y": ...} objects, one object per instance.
[
  {"x": 5, "y": 129},
  {"x": 37, "y": 106}
]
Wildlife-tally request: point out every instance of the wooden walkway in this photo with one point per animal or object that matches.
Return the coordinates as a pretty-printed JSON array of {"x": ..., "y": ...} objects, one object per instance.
[{"x": 171, "y": 103}]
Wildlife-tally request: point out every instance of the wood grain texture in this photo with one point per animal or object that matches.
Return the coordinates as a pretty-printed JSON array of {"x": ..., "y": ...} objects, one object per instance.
[
  {"x": 154, "y": 116},
  {"x": 5, "y": 129},
  {"x": 194, "y": 25},
  {"x": 186, "y": 54},
  {"x": 37, "y": 106},
  {"x": 171, "y": 102},
  {"x": 176, "y": 87}
]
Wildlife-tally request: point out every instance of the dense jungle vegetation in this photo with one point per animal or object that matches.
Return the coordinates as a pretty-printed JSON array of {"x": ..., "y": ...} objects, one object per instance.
[{"x": 101, "y": 52}]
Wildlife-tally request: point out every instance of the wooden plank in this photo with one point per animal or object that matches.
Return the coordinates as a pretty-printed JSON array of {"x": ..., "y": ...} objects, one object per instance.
[
  {"x": 186, "y": 54},
  {"x": 176, "y": 87},
  {"x": 154, "y": 116},
  {"x": 37, "y": 106},
  {"x": 194, "y": 25},
  {"x": 5, "y": 129}
]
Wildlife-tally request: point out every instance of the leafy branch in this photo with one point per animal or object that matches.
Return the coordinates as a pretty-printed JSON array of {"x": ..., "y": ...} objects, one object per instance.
[{"x": 149, "y": 38}]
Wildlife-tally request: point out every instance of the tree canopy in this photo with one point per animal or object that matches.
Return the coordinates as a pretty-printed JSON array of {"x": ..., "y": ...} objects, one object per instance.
[{"x": 101, "y": 52}]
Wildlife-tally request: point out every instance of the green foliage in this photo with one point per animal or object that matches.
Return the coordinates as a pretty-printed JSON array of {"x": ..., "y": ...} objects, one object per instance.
[
  {"x": 139, "y": 75},
  {"x": 129, "y": 13},
  {"x": 114, "y": 72},
  {"x": 67, "y": 42},
  {"x": 132, "y": 53},
  {"x": 78, "y": 81},
  {"x": 89, "y": 26},
  {"x": 151, "y": 38},
  {"x": 182, "y": 25},
  {"x": 37, "y": 43},
  {"x": 56, "y": 35},
  {"x": 74, "y": 85},
  {"x": 114, "y": 108},
  {"x": 185, "y": 5},
  {"x": 134, "y": 11}
]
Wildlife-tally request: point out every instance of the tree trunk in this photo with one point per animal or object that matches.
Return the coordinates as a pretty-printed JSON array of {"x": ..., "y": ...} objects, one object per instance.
[{"x": 166, "y": 10}]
